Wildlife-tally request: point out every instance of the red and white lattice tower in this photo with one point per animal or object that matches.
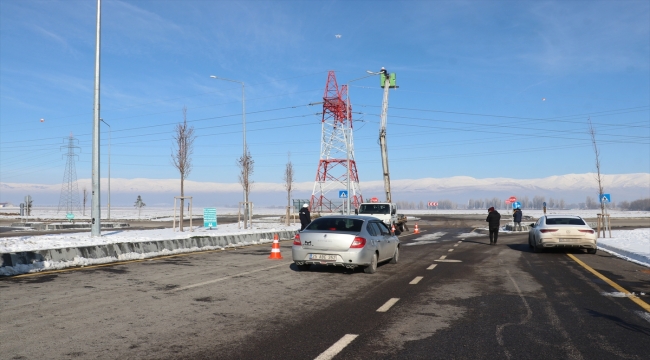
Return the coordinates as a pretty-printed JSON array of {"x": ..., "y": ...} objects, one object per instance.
[{"x": 332, "y": 173}]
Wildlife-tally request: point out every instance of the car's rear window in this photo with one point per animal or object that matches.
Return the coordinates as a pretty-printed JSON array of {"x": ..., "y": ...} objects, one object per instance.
[
  {"x": 329, "y": 223},
  {"x": 564, "y": 221}
]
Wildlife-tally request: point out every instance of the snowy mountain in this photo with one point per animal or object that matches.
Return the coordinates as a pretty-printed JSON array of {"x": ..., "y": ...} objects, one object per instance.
[{"x": 572, "y": 187}]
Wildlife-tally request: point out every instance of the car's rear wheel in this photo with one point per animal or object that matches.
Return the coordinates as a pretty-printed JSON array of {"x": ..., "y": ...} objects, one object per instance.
[
  {"x": 395, "y": 258},
  {"x": 530, "y": 244},
  {"x": 370, "y": 269},
  {"x": 537, "y": 248},
  {"x": 592, "y": 251}
]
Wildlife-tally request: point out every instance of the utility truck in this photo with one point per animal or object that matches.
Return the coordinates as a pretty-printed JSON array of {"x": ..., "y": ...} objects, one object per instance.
[{"x": 385, "y": 211}]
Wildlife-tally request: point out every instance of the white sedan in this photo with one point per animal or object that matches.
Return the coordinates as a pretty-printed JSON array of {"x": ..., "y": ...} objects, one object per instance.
[{"x": 562, "y": 231}]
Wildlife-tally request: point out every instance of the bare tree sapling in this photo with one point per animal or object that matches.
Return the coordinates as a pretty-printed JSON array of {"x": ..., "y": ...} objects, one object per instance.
[
  {"x": 288, "y": 184},
  {"x": 245, "y": 163},
  {"x": 182, "y": 150}
]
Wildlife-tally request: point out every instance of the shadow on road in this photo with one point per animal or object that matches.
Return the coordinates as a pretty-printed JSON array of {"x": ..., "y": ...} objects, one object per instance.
[{"x": 620, "y": 322}]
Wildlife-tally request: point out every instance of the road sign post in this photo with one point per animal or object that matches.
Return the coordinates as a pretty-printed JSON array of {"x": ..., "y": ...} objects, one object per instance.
[{"x": 210, "y": 218}]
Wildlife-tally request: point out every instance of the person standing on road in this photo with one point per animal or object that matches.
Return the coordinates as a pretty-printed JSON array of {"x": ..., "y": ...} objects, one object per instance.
[
  {"x": 305, "y": 217},
  {"x": 516, "y": 217},
  {"x": 494, "y": 222}
]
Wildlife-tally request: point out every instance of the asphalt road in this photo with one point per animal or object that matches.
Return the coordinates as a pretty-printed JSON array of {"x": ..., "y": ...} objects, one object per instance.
[{"x": 480, "y": 302}]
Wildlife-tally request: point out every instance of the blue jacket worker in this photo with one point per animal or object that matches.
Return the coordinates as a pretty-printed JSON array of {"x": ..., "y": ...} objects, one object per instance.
[{"x": 516, "y": 217}]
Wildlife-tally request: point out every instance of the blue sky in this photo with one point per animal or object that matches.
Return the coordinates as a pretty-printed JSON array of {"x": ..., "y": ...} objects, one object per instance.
[{"x": 472, "y": 77}]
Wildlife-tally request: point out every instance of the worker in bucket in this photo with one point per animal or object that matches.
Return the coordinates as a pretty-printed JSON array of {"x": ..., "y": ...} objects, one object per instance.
[{"x": 305, "y": 217}]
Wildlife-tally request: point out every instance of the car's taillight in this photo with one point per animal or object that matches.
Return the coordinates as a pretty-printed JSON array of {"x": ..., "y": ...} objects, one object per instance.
[
  {"x": 548, "y": 230},
  {"x": 587, "y": 231},
  {"x": 296, "y": 240},
  {"x": 358, "y": 243}
]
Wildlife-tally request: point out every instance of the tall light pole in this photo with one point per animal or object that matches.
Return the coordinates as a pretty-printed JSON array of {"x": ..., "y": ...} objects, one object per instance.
[
  {"x": 95, "y": 228},
  {"x": 109, "y": 168},
  {"x": 348, "y": 137},
  {"x": 243, "y": 116}
]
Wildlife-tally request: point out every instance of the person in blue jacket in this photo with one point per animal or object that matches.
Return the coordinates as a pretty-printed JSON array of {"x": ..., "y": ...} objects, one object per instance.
[{"x": 516, "y": 216}]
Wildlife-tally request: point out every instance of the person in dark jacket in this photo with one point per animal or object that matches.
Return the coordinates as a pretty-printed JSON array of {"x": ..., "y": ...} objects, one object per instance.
[
  {"x": 494, "y": 222},
  {"x": 516, "y": 217},
  {"x": 305, "y": 217}
]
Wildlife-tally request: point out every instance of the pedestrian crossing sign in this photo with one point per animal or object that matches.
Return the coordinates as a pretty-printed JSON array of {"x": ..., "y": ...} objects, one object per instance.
[{"x": 343, "y": 194}]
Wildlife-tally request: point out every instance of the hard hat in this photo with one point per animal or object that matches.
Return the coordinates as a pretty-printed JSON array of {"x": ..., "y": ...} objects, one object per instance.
[{"x": 305, "y": 205}]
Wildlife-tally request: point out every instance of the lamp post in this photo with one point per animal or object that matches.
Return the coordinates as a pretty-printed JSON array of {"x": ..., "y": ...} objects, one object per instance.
[
  {"x": 348, "y": 136},
  {"x": 95, "y": 211},
  {"x": 109, "y": 168},
  {"x": 243, "y": 115}
]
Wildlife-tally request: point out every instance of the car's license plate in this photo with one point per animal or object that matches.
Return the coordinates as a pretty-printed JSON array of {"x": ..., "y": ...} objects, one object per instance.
[
  {"x": 567, "y": 240},
  {"x": 322, "y": 257}
]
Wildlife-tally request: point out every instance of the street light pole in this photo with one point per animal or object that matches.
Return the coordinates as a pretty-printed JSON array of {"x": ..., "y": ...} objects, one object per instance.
[
  {"x": 243, "y": 114},
  {"x": 109, "y": 168},
  {"x": 95, "y": 229}
]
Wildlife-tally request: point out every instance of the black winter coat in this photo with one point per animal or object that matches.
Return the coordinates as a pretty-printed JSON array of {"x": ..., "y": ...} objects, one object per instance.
[
  {"x": 305, "y": 216},
  {"x": 494, "y": 219},
  {"x": 517, "y": 216}
]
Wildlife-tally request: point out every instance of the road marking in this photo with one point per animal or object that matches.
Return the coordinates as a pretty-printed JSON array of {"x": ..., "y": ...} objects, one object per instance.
[
  {"x": 443, "y": 257},
  {"x": 455, "y": 245},
  {"x": 448, "y": 260},
  {"x": 228, "y": 277},
  {"x": 337, "y": 347},
  {"x": 432, "y": 267},
  {"x": 388, "y": 305},
  {"x": 616, "y": 286},
  {"x": 416, "y": 280},
  {"x": 450, "y": 250},
  {"x": 461, "y": 241}
]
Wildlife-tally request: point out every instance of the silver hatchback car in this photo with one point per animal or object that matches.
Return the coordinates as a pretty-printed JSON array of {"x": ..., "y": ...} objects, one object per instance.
[{"x": 349, "y": 241}]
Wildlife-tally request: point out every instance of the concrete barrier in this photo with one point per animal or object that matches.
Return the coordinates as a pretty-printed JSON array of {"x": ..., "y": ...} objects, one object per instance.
[{"x": 22, "y": 262}]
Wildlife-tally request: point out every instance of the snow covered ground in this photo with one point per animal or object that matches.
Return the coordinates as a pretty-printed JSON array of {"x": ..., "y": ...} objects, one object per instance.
[{"x": 632, "y": 245}]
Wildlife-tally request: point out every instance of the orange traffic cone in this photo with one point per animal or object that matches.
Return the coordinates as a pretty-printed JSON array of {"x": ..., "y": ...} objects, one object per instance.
[
  {"x": 275, "y": 249},
  {"x": 416, "y": 231}
]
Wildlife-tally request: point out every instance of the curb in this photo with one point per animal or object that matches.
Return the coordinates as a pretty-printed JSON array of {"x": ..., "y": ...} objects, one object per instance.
[{"x": 42, "y": 260}]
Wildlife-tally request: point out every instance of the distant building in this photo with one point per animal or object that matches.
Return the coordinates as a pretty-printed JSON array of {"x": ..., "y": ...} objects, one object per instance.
[{"x": 6, "y": 204}]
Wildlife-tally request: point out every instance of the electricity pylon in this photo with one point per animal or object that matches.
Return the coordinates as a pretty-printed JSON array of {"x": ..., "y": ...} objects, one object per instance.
[{"x": 69, "y": 199}]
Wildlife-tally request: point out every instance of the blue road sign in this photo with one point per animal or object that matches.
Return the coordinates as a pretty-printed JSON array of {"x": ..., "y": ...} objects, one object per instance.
[
  {"x": 544, "y": 204},
  {"x": 343, "y": 194},
  {"x": 605, "y": 198},
  {"x": 516, "y": 205},
  {"x": 210, "y": 218}
]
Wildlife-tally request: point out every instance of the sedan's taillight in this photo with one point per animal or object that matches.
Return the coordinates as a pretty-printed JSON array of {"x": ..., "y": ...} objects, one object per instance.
[
  {"x": 547, "y": 230},
  {"x": 296, "y": 240},
  {"x": 358, "y": 243},
  {"x": 587, "y": 231}
]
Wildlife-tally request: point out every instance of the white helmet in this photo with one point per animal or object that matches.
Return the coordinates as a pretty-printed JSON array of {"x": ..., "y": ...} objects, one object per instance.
[{"x": 305, "y": 205}]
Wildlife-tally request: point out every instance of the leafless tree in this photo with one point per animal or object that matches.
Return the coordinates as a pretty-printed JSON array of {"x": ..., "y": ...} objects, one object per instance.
[
  {"x": 288, "y": 184},
  {"x": 592, "y": 132},
  {"x": 245, "y": 163},
  {"x": 182, "y": 154},
  {"x": 85, "y": 199}
]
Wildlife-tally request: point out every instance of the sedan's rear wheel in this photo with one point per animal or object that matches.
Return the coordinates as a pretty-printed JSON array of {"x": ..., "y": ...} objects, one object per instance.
[
  {"x": 592, "y": 251},
  {"x": 395, "y": 258},
  {"x": 537, "y": 248},
  {"x": 370, "y": 269},
  {"x": 530, "y": 244}
]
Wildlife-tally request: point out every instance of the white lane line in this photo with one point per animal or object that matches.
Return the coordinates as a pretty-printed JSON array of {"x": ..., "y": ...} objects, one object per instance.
[
  {"x": 228, "y": 277},
  {"x": 450, "y": 250},
  {"x": 443, "y": 257},
  {"x": 388, "y": 305},
  {"x": 461, "y": 241},
  {"x": 337, "y": 347},
  {"x": 455, "y": 245},
  {"x": 432, "y": 267},
  {"x": 416, "y": 280}
]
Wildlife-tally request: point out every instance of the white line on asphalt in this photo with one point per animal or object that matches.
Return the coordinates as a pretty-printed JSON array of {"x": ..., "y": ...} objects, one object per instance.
[
  {"x": 450, "y": 250},
  {"x": 416, "y": 280},
  {"x": 443, "y": 257},
  {"x": 455, "y": 245},
  {"x": 432, "y": 267},
  {"x": 388, "y": 305},
  {"x": 337, "y": 347},
  {"x": 227, "y": 277},
  {"x": 461, "y": 241}
]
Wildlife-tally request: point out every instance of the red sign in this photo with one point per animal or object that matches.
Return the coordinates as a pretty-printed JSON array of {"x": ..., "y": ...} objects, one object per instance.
[
  {"x": 374, "y": 200},
  {"x": 431, "y": 203},
  {"x": 512, "y": 199}
]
